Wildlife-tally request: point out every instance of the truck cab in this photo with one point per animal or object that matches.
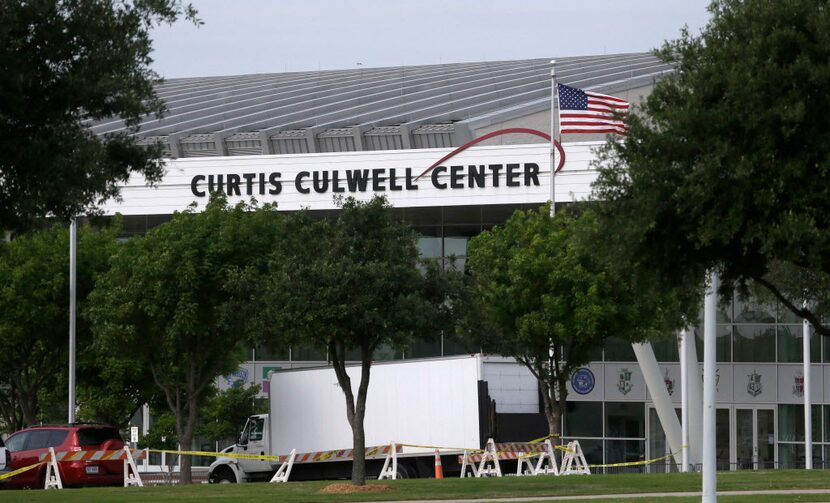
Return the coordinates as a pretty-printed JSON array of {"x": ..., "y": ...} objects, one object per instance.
[{"x": 254, "y": 440}]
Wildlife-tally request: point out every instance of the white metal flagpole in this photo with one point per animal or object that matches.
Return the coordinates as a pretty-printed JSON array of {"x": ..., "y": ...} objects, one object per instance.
[
  {"x": 554, "y": 134},
  {"x": 808, "y": 405},
  {"x": 710, "y": 306}
]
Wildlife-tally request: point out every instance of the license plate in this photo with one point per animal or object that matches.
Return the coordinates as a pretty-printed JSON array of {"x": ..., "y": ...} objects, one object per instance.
[{"x": 92, "y": 470}]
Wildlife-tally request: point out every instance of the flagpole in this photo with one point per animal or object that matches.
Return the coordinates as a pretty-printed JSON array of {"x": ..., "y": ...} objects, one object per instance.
[{"x": 554, "y": 134}]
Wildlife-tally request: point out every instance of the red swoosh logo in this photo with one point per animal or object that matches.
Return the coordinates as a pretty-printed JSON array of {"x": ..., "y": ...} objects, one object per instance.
[{"x": 514, "y": 130}]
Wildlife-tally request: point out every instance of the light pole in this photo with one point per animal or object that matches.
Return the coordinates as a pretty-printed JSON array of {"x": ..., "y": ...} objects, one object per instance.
[{"x": 73, "y": 255}]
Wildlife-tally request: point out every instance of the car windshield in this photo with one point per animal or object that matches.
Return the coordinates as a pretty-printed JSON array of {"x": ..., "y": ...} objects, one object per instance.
[{"x": 96, "y": 436}]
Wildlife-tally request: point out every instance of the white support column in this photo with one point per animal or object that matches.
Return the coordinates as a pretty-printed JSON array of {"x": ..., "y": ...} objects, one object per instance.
[
  {"x": 684, "y": 399},
  {"x": 710, "y": 307},
  {"x": 808, "y": 409},
  {"x": 660, "y": 396},
  {"x": 695, "y": 382}
]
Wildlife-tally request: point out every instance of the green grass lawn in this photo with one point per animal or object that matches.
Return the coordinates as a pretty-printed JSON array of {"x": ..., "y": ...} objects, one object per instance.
[{"x": 298, "y": 492}]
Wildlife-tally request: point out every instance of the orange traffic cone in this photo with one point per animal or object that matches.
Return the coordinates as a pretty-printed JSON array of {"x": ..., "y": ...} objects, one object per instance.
[{"x": 439, "y": 470}]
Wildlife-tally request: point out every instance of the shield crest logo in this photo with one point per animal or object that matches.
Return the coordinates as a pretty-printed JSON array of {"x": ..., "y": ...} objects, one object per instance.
[
  {"x": 669, "y": 383},
  {"x": 754, "y": 386},
  {"x": 798, "y": 385},
  {"x": 624, "y": 384}
]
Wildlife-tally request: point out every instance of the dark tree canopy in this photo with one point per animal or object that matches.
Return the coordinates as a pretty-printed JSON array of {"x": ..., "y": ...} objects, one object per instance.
[
  {"x": 64, "y": 63},
  {"x": 168, "y": 301},
  {"x": 540, "y": 291},
  {"x": 727, "y": 164},
  {"x": 349, "y": 285},
  {"x": 34, "y": 317}
]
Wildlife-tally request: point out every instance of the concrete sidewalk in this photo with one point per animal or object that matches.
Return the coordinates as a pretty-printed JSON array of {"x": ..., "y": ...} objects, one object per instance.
[{"x": 632, "y": 496}]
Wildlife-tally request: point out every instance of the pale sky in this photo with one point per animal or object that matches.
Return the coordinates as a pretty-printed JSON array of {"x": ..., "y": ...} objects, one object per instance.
[{"x": 266, "y": 36}]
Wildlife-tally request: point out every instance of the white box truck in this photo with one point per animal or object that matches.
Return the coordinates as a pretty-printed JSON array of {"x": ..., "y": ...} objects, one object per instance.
[{"x": 447, "y": 402}]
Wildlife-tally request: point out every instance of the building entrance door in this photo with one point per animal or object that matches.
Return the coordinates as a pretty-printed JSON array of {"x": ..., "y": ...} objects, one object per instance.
[{"x": 754, "y": 438}]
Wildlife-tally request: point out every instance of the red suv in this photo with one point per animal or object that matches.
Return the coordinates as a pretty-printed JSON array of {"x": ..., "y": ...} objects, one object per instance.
[{"x": 26, "y": 446}]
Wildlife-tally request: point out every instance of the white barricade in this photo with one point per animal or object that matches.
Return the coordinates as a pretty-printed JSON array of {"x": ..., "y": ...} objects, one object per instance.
[
  {"x": 131, "y": 476},
  {"x": 285, "y": 469},
  {"x": 490, "y": 455},
  {"x": 390, "y": 465},
  {"x": 573, "y": 463},
  {"x": 53, "y": 476},
  {"x": 468, "y": 464},
  {"x": 547, "y": 461}
]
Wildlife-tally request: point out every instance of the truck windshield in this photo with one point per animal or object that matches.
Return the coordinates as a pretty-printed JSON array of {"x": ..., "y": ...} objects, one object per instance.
[{"x": 243, "y": 437}]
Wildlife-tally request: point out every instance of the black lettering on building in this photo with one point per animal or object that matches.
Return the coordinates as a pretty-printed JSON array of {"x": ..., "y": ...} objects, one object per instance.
[
  {"x": 531, "y": 174},
  {"x": 249, "y": 183},
  {"x": 298, "y": 182},
  {"x": 356, "y": 179},
  {"x": 476, "y": 177},
  {"x": 233, "y": 185},
  {"x": 435, "y": 174},
  {"x": 274, "y": 182},
  {"x": 321, "y": 186},
  {"x": 219, "y": 184},
  {"x": 393, "y": 181},
  {"x": 410, "y": 183},
  {"x": 378, "y": 179},
  {"x": 335, "y": 182},
  {"x": 495, "y": 168},
  {"x": 455, "y": 177},
  {"x": 194, "y": 186},
  {"x": 513, "y": 175}
]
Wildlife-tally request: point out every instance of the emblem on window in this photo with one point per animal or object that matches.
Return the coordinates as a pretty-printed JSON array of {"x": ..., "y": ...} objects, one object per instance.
[
  {"x": 669, "y": 383},
  {"x": 754, "y": 386},
  {"x": 798, "y": 385},
  {"x": 582, "y": 381},
  {"x": 624, "y": 384}
]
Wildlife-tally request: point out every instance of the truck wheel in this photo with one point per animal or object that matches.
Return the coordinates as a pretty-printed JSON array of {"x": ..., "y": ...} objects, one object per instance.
[
  {"x": 223, "y": 476},
  {"x": 406, "y": 471}
]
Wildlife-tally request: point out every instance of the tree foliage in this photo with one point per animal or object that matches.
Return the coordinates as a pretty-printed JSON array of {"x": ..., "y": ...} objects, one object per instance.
[
  {"x": 34, "y": 316},
  {"x": 727, "y": 162},
  {"x": 225, "y": 411},
  {"x": 540, "y": 291},
  {"x": 166, "y": 301},
  {"x": 64, "y": 63},
  {"x": 350, "y": 284}
]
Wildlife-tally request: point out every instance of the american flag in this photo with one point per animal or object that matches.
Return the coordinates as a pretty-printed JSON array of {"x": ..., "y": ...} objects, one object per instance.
[{"x": 586, "y": 112}]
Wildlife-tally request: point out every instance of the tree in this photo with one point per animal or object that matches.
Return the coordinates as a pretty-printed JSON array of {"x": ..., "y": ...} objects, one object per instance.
[
  {"x": 727, "y": 161},
  {"x": 34, "y": 314},
  {"x": 224, "y": 412},
  {"x": 165, "y": 301},
  {"x": 360, "y": 272},
  {"x": 541, "y": 293},
  {"x": 63, "y": 65}
]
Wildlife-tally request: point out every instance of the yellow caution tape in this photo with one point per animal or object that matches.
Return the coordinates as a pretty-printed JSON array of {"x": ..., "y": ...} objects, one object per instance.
[
  {"x": 632, "y": 463},
  {"x": 217, "y": 454},
  {"x": 542, "y": 439},
  {"x": 20, "y": 470},
  {"x": 439, "y": 448}
]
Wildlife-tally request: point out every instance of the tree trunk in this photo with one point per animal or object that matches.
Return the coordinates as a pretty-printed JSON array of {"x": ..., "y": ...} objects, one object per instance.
[
  {"x": 358, "y": 434},
  {"x": 186, "y": 441},
  {"x": 553, "y": 413}
]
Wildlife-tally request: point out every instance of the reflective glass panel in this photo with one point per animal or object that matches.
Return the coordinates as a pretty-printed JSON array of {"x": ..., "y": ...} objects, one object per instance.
[
  {"x": 583, "y": 419},
  {"x": 754, "y": 343},
  {"x": 790, "y": 345},
  {"x": 625, "y": 419}
]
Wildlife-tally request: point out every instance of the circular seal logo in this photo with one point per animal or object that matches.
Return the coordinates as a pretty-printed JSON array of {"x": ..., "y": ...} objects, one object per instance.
[{"x": 583, "y": 381}]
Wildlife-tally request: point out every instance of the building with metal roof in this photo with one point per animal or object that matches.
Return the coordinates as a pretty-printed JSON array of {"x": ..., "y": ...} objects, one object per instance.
[{"x": 364, "y": 109}]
